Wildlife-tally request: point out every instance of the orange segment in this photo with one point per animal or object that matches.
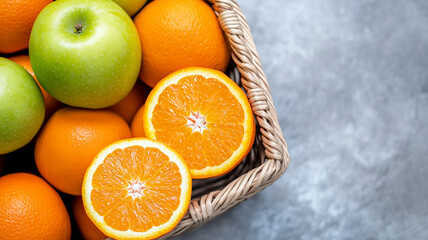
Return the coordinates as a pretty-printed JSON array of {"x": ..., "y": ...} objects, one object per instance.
[
  {"x": 204, "y": 116},
  {"x": 164, "y": 178},
  {"x": 140, "y": 218},
  {"x": 193, "y": 149},
  {"x": 104, "y": 200},
  {"x": 229, "y": 133},
  {"x": 109, "y": 175},
  {"x": 136, "y": 188},
  {"x": 119, "y": 216}
]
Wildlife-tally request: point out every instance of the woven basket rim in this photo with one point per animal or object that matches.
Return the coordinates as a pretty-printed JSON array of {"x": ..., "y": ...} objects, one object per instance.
[{"x": 254, "y": 81}]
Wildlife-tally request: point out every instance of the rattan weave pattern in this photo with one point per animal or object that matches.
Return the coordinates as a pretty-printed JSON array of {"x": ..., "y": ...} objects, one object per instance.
[{"x": 269, "y": 156}]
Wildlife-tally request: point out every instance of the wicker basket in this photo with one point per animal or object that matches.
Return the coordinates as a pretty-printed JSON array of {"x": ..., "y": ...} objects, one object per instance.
[{"x": 268, "y": 158}]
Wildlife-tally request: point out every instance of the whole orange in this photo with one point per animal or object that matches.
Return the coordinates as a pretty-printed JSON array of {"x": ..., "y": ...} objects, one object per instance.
[
  {"x": 137, "y": 126},
  {"x": 69, "y": 142},
  {"x": 31, "y": 209},
  {"x": 16, "y": 20},
  {"x": 86, "y": 226},
  {"x": 51, "y": 104},
  {"x": 176, "y": 34},
  {"x": 129, "y": 106}
]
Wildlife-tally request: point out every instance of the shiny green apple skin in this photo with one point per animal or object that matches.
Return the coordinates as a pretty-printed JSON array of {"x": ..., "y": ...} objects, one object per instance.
[
  {"x": 22, "y": 109},
  {"x": 131, "y": 6},
  {"x": 85, "y": 53}
]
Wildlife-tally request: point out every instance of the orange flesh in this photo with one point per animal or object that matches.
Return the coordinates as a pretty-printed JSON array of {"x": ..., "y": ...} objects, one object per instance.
[
  {"x": 159, "y": 196},
  {"x": 223, "y": 114}
]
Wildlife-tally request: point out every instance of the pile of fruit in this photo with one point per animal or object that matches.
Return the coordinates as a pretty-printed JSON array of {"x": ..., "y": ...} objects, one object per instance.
[{"x": 120, "y": 104}]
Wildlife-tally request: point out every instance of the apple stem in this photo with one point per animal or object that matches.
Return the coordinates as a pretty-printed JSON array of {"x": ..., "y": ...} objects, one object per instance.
[{"x": 78, "y": 28}]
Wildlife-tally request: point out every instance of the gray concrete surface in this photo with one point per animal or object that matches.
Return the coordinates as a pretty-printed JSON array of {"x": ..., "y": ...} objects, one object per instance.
[{"x": 350, "y": 82}]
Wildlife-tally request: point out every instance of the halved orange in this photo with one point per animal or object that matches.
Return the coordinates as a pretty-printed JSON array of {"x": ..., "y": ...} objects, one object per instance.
[
  {"x": 204, "y": 116},
  {"x": 136, "y": 189}
]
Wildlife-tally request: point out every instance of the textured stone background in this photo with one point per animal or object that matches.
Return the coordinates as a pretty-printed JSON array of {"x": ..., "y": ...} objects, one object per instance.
[{"x": 350, "y": 82}]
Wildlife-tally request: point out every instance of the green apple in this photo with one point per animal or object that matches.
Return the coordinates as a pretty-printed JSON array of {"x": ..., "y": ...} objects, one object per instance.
[
  {"x": 22, "y": 109},
  {"x": 131, "y": 6},
  {"x": 85, "y": 53}
]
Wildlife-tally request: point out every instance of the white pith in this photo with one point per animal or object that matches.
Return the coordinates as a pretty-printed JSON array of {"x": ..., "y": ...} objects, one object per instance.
[
  {"x": 135, "y": 188},
  {"x": 196, "y": 122}
]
